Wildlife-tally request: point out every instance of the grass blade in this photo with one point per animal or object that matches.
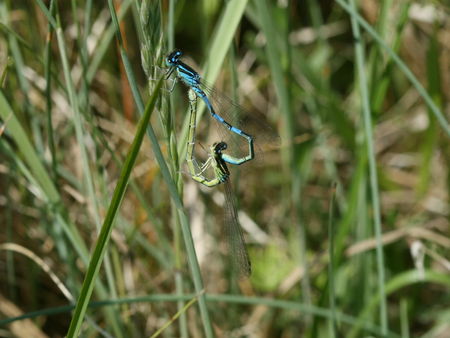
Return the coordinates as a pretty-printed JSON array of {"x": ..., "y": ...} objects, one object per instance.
[
  {"x": 105, "y": 232},
  {"x": 364, "y": 92}
]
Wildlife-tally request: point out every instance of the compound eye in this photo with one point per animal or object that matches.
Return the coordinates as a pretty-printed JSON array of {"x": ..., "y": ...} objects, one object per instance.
[
  {"x": 223, "y": 145},
  {"x": 172, "y": 58}
]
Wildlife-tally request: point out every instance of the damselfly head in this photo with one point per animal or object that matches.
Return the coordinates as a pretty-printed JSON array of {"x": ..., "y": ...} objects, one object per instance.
[
  {"x": 218, "y": 147},
  {"x": 173, "y": 58}
]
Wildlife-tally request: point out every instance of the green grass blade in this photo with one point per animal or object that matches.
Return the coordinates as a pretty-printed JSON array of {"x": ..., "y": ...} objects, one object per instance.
[
  {"x": 367, "y": 117},
  {"x": 331, "y": 268},
  {"x": 105, "y": 43},
  {"x": 105, "y": 233},
  {"x": 274, "y": 56},
  {"x": 404, "y": 323},
  {"x": 48, "y": 99},
  {"x": 178, "y": 314},
  {"x": 47, "y": 14},
  {"x": 75, "y": 105},
  {"x": 223, "y": 37},
  {"x": 26, "y": 149},
  {"x": 431, "y": 136}
]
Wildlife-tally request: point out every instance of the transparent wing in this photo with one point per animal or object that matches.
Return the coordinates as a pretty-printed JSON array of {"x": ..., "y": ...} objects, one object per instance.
[
  {"x": 235, "y": 238},
  {"x": 254, "y": 121}
]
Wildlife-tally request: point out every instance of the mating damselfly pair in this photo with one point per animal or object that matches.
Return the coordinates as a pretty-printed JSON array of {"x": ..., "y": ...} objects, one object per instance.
[{"x": 224, "y": 111}]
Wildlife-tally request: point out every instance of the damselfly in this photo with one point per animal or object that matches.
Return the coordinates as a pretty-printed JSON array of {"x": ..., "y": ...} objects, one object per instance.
[
  {"x": 193, "y": 80},
  {"x": 217, "y": 163}
]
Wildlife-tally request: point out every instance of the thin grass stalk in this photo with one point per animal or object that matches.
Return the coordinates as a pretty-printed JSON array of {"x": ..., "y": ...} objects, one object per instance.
[
  {"x": 47, "y": 13},
  {"x": 177, "y": 236},
  {"x": 364, "y": 262},
  {"x": 26, "y": 108},
  {"x": 374, "y": 65},
  {"x": 317, "y": 20},
  {"x": 187, "y": 236},
  {"x": 105, "y": 42},
  {"x": 297, "y": 182},
  {"x": 3, "y": 75},
  {"x": 364, "y": 92},
  {"x": 404, "y": 322},
  {"x": 380, "y": 72},
  {"x": 174, "y": 317},
  {"x": 81, "y": 43},
  {"x": 87, "y": 20},
  {"x": 332, "y": 328},
  {"x": 77, "y": 121},
  {"x": 48, "y": 97},
  {"x": 430, "y": 139},
  {"x": 179, "y": 286},
  {"x": 171, "y": 25},
  {"x": 179, "y": 283},
  {"x": 136, "y": 10},
  {"x": 311, "y": 103},
  {"x": 10, "y": 265},
  {"x": 274, "y": 57}
]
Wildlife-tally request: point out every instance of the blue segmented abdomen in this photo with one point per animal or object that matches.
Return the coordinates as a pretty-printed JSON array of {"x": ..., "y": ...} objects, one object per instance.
[
  {"x": 192, "y": 79},
  {"x": 219, "y": 118}
]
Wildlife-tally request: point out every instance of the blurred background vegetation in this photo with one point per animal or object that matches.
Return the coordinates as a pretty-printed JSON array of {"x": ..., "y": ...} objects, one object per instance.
[{"x": 346, "y": 219}]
